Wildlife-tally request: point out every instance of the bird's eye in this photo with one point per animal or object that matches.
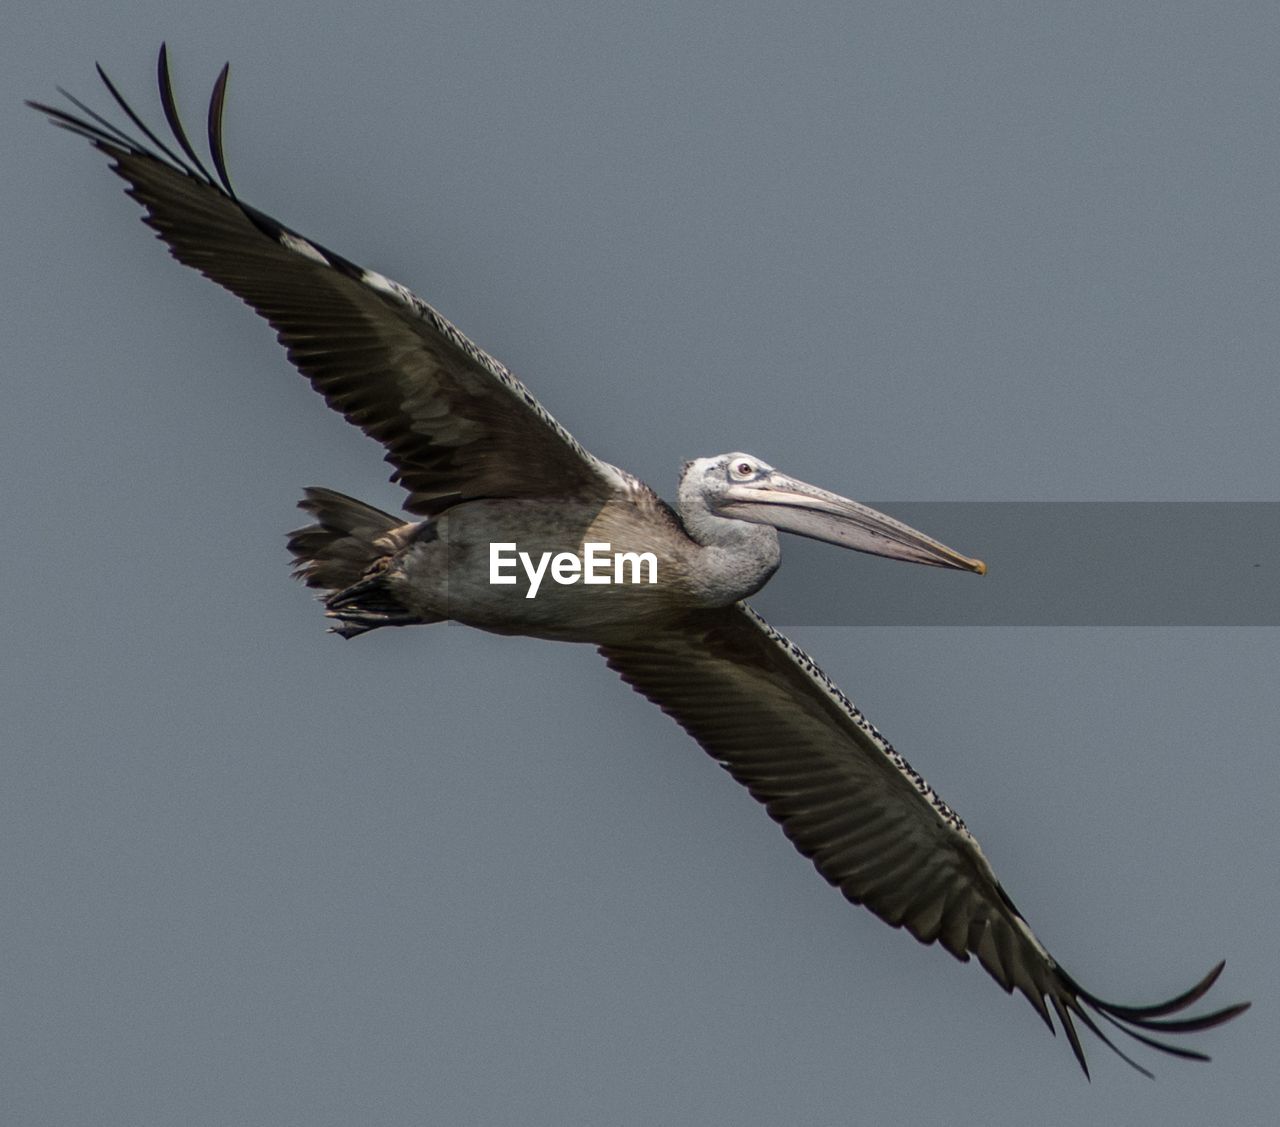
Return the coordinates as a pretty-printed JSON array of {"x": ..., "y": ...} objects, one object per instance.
[{"x": 743, "y": 469}]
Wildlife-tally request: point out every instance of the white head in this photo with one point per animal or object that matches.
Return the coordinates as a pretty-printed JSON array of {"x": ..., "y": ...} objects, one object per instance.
[{"x": 719, "y": 495}]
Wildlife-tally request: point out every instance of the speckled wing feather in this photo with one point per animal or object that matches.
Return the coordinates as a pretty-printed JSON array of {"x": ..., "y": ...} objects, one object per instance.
[
  {"x": 456, "y": 423},
  {"x": 853, "y": 805}
]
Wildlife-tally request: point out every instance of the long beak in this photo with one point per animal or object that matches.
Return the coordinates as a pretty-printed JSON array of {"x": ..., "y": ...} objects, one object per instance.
[{"x": 795, "y": 506}]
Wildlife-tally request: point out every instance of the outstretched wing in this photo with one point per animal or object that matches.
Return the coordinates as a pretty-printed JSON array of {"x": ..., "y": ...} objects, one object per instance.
[
  {"x": 871, "y": 825},
  {"x": 456, "y": 424}
]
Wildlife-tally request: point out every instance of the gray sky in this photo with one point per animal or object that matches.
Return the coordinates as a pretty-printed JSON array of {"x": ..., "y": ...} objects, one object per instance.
[{"x": 255, "y": 875}]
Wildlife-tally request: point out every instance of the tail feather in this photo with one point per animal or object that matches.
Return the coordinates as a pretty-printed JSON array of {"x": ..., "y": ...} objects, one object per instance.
[
  {"x": 336, "y": 551},
  {"x": 350, "y": 552}
]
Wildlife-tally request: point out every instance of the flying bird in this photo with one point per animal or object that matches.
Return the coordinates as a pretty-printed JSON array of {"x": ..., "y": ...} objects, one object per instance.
[{"x": 487, "y": 470}]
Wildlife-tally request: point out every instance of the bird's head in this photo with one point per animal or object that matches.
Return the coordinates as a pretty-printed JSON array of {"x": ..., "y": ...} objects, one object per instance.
[{"x": 741, "y": 487}]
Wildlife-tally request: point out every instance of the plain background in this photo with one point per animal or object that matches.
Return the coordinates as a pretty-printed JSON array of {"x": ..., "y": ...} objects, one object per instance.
[{"x": 253, "y": 875}]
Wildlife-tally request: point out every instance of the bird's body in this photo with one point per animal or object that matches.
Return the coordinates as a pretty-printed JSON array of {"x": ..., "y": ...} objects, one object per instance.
[
  {"x": 441, "y": 568},
  {"x": 507, "y": 512}
]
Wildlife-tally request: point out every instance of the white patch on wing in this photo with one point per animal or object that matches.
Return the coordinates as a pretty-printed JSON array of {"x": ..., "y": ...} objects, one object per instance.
[
  {"x": 301, "y": 246},
  {"x": 383, "y": 284},
  {"x": 620, "y": 480}
]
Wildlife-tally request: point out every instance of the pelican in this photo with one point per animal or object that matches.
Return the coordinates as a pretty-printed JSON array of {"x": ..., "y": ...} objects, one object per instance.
[{"x": 484, "y": 465}]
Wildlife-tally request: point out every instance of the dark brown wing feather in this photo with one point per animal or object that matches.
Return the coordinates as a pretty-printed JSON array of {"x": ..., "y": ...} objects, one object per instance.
[
  {"x": 849, "y": 802},
  {"x": 455, "y": 422}
]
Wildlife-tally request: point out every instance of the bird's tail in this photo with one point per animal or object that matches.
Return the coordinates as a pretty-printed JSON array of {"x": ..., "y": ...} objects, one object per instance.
[{"x": 348, "y": 552}]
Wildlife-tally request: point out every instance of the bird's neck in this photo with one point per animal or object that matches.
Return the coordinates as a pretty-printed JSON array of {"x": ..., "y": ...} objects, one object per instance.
[{"x": 736, "y": 558}]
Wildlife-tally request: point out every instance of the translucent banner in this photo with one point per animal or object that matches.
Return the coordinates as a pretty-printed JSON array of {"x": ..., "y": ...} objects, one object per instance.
[{"x": 1049, "y": 564}]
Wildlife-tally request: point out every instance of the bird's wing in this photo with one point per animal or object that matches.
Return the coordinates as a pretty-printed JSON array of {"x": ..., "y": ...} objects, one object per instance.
[
  {"x": 456, "y": 423},
  {"x": 871, "y": 825}
]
